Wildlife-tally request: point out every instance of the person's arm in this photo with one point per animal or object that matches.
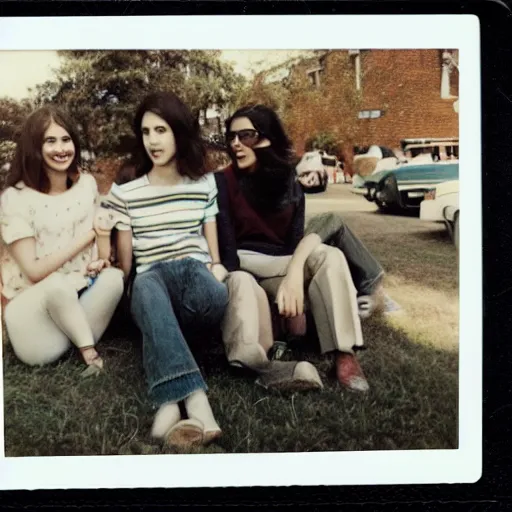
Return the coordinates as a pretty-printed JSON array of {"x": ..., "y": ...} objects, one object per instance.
[
  {"x": 225, "y": 228},
  {"x": 20, "y": 238},
  {"x": 104, "y": 222},
  {"x": 124, "y": 251},
  {"x": 296, "y": 231},
  {"x": 36, "y": 269},
  {"x": 290, "y": 295},
  {"x": 104, "y": 247},
  {"x": 216, "y": 267},
  {"x": 210, "y": 231},
  {"x": 115, "y": 213}
]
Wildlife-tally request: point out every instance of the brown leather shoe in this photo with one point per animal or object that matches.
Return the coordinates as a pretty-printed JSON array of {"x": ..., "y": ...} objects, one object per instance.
[{"x": 349, "y": 372}]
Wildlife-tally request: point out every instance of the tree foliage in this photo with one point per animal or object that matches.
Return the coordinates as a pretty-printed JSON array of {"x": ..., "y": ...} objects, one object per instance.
[
  {"x": 325, "y": 141},
  {"x": 323, "y": 115},
  {"x": 101, "y": 89},
  {"x": 12, "y": 115}
]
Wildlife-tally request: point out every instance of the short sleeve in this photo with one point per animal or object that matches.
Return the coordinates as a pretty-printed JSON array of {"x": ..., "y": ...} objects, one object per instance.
[
  {"x": 115, "y": 201},
  {"x": 93, "y": 185},
  {"x": 13, "y": 217},
  {"x": 212, "y": 208}
]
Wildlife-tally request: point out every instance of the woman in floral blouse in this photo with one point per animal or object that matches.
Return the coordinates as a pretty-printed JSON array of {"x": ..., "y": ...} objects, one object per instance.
[{"x": 55, "y": 288}]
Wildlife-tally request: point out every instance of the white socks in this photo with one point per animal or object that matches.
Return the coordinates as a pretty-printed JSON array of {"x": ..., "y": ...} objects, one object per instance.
[
  {"x": 166, "y": 417},
  {"x": 198, "y": 408}
]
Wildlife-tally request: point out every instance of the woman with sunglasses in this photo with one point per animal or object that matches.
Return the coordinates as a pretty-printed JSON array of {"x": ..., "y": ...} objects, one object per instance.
[
  {"x": 261, "y": 231},
  {"x": 167, "y": 216}
]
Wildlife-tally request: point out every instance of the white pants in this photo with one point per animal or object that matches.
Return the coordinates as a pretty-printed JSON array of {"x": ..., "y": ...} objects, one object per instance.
[
  {"x": 43, "y": 319},
  {"x": 330, "y": 292}
]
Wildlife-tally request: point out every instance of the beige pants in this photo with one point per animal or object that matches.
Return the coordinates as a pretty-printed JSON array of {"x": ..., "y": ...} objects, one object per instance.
[
  {"x": 42, "y": 320},
  {"x": 330, "y": 293},
  {"x": 247, "y": 326}
]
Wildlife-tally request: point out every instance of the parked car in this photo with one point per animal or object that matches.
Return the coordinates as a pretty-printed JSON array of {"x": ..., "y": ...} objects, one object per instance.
[
  {"x": 438, "y": 148},
  {"x": 405, "y": 186},
  {"x": 441, "y": 204}
]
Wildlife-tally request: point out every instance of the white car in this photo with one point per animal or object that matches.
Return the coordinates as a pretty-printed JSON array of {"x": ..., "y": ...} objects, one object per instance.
[{"x": 441, "y": 204}]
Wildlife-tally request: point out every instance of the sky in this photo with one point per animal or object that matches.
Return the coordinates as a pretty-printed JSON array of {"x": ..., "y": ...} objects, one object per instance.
[{"x": 20, "y": 70}]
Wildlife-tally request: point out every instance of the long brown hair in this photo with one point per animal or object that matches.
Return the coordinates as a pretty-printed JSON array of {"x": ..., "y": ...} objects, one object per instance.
[
  {"x": 27, "y": 165},
  {"x": 190, "y": 149}
]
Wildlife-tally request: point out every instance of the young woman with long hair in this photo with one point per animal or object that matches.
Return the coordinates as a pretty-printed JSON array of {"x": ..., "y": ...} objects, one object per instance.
[
  {"x": 55, "y": 289},
  {"x": 166, "y": 220},
  {"x": 261, "y": 230}
]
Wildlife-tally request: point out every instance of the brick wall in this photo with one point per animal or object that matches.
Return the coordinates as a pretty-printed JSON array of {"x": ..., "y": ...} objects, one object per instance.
[{"x": 405, "y": 84}]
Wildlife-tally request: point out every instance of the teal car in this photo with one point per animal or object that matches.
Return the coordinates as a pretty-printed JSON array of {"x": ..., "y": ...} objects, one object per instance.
[{"x": 404, "y": 187}]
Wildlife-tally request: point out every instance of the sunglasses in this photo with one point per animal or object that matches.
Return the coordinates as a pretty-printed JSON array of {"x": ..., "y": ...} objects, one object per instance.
[{"x": 247, "y": 137}]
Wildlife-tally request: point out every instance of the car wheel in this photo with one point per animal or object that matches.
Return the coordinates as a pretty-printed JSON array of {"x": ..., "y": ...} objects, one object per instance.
[
  {"x": 381, "y": 205},
  {"x": 456, "y": 231}
]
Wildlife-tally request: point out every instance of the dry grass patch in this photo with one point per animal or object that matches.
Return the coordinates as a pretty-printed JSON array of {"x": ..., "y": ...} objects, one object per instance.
[{"x": 428, "y": 316}]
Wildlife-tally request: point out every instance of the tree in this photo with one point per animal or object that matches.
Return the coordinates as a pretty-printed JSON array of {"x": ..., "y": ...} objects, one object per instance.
[
  {"x": 12, "y": 115},
  {"x": 101, "y": 89},
  {"x": 329, "y": 105},
  {"x": 325, "y": 141}
]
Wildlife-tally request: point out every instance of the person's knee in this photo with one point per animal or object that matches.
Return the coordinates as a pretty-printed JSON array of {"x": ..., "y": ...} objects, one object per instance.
[
  {"x": 58, "y": 290},
  {"x": 112, "y": 278},
  {"x": 41, "y": 354},
  {"x": 239, "y": 281},
  {"x": 145, "y": 287},
  {"x": 317, "y": 257},
  {"x": 326, "y": 256}
]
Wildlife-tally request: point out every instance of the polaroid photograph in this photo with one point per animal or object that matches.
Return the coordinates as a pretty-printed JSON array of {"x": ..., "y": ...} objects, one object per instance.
[{"x": 229, "y": 260}]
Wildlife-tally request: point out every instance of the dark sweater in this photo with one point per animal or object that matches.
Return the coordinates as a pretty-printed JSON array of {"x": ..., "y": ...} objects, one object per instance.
[{"x": 241, "y": 227}]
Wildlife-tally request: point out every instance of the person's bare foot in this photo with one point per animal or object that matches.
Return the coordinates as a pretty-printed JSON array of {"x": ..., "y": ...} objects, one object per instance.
[{"x": 91, "y": 357}]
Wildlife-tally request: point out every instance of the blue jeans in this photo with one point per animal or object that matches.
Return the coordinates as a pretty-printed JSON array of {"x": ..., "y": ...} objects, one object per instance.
[{"x": 170, "y": 297}]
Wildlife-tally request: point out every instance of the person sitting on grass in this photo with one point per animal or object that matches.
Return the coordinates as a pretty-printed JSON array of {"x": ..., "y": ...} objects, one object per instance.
[
  {"x": 55, "y": 288},
  {"x": 167, "y": 217},
  {"x": 261, "y": 231},
  {"x": 247, "y": 329}
]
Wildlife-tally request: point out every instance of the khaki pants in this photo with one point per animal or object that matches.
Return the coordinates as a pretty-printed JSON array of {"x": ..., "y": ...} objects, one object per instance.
[
  {"x": 330, "y": 293},
  {"x": 247, "y": 326}
]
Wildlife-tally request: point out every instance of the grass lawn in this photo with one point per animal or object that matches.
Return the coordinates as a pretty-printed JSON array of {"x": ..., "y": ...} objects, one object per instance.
[{"x": 411, "y": 363}]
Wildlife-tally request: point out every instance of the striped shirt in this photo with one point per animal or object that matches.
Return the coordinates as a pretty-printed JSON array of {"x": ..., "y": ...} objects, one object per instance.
[{"x": 166, "y": 221}]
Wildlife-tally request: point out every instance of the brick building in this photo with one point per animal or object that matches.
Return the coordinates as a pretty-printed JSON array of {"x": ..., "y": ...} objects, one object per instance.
[{"x": 369, "y": 97}]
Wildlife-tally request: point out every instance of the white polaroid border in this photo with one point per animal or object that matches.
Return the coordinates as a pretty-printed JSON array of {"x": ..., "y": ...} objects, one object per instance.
[{"x": 462, "y": 465}]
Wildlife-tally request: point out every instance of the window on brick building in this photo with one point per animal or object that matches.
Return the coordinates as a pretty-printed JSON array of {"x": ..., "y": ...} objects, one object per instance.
[
  {"x": 315, "y": 75},
  {"x": 355, "y": 55},
  {"x": 370, "y": 114},
  {"x": 449, "y": 74}
]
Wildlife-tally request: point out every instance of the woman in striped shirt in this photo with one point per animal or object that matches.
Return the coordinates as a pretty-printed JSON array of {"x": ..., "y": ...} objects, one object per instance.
[{"x": 166, "y": 216}]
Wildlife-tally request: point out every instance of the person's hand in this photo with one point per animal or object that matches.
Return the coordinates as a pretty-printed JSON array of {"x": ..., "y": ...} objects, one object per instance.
[
  {"x": 103, "y": 222},
  {"x": 290, "y": 295},
  {"x": 218, "y": 270},
  {"x": 95, "y": 267}
]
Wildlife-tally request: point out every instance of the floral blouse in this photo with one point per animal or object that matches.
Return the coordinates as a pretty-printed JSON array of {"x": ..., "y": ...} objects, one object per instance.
[{"x": 55, "y": 222}]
